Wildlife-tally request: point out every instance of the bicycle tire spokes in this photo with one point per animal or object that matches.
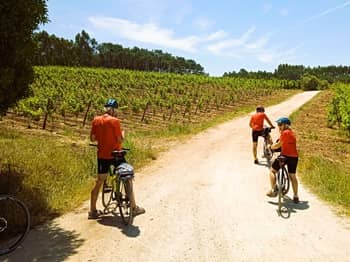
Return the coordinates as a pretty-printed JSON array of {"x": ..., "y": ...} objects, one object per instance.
[{"x": 14, "y": 223}]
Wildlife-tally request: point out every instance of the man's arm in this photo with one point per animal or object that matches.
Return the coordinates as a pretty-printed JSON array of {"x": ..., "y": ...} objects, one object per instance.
[
  {"x": 276, "y": 145},
  {"x": 269, "y": 121},
  {"x": 251, "y": 122},
  {"x": 92, "y": 137}
]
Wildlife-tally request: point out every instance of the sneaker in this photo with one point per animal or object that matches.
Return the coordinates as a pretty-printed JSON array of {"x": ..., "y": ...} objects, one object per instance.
[
  {"x": 296, "y": 200},
  {"x": 271, "y": 193},
  {"x": 256, "y": 161},
  {"x": 138, "y": 211},
  {"x": 94, "y": 214}
]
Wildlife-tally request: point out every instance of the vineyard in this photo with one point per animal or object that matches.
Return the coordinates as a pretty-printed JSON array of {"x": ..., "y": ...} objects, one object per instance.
[
  {"x": 339, "y": 112},
  {"x": 68, "y": 98}
]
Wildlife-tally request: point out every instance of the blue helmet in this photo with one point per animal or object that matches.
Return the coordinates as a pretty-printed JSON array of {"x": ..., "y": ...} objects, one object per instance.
[
  {"x": 283, "y": 120},
  {"x": 111, "y": 103}
]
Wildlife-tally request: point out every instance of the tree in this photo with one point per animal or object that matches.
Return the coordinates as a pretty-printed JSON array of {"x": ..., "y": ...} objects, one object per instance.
[
  {"x": 18, "y": 20},
  {"x": 310, "y": 82},
  {"x": 85, "y": 48}
]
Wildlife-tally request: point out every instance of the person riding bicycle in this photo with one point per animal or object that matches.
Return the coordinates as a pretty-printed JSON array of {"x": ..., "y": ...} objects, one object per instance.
[
  {"x": 256, "y": 123},
  {"x": 106, "y": 131},
  {"x": 288, "y": 145}
]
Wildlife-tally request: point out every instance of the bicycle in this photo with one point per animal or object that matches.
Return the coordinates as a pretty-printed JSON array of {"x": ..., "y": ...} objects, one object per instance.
[
  {"x": 14, "y": 223},
  {"x": 266, "y": 149},
  {"x": 283, "y": 181},
  {"x": 117, "y": 189}
]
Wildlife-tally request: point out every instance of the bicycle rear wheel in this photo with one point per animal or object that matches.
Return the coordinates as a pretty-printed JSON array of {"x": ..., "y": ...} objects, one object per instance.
[
  {"x": 267, "y": 152},
  {"x": 14, "y": 223},
  {"x": 124, "y": 201},
  {"x": 107, "y": 191}
]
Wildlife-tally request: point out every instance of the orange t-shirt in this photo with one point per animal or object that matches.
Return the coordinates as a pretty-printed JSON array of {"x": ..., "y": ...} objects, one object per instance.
[
  {"x": 288, "y": 143},
  {"x": 106, "y": 130},
  {"x": 257, "y": 121}
]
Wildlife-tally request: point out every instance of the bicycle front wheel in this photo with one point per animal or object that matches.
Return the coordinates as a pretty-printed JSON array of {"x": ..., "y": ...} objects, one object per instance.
[
  {"x": 125, "y": 200},
  {"x": 14, "y": 223},
  {"x": 280, "y": 190}
]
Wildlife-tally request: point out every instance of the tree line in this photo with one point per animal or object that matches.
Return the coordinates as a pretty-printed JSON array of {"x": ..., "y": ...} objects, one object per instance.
[
  {"x": 330, "y": 73},
  {"x": 85, "y": 51}
]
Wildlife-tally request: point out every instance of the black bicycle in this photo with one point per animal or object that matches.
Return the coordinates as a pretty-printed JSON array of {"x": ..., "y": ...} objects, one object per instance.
[
  {"x": 14, "y": 223},
  {"x": 283, "y": 181},
  {"x": 117, "y": 189},
  {"x": 266, "y": 149}
]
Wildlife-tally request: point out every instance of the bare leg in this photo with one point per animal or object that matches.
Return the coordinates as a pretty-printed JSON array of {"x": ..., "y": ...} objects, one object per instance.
[
  {"x": 294, "y": 179},
  {"x": 255, "y": 146},
  {"x": 94, "y": 193},
  {"x": 273, "y": 178},
  {"x": 269, "y": 139}
]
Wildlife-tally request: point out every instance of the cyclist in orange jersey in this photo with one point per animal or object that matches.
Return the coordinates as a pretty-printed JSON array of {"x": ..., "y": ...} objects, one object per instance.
[
  {"x": 256, "y": 123},
  {"x": 288, "y": 145},
  {"x": 106, "y": 130}
]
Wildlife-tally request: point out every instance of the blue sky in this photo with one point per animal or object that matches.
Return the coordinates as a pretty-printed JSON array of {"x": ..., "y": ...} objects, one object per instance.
[{"x": 220, "y": 35}]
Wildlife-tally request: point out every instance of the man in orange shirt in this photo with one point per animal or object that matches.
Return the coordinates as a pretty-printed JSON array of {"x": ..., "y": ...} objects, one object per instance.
[
  {"x": 106, "y": 130},
  {"x": 288, "y": 145},
  {"x": 256, "y": 123}
]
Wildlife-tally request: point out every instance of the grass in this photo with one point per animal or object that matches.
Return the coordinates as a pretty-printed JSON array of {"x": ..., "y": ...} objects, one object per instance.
[
  {"x": 54, "y": 173},
  {"x": 324, "y": 153}
]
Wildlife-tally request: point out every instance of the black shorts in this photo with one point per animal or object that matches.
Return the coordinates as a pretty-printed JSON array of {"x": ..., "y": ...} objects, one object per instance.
[
  {"x": 104, "y": 164},
  {"x": 256, "y": 134},
  {"x": 292, "y": 163}
]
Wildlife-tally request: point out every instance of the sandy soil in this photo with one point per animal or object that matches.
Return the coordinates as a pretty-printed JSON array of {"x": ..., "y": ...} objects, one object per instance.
[{"x": 205, "y": 201}]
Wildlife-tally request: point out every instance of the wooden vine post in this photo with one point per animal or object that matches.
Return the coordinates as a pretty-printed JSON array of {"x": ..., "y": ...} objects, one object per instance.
[{"x": 86, "y": 113}]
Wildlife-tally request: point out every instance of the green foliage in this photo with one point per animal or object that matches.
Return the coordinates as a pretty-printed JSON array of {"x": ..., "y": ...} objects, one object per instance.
[
  {"x": 339, "y": 111},
  {"x": 68, "y": 91},
  {"x": 309, "y": 82},
  {"x": 328, "y": 179},
  {"x": 18, "y": 19},
  {"x": 328, "y": 74},
  {"x": 49, "y": 175},
  {"x": 85, "y": 51}
]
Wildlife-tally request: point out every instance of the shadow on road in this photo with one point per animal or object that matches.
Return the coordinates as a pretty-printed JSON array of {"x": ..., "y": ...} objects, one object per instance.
[
  {"x": 46, "y": 243},
  {"x": 290, "y": 207},
  {"x": 114, "y": 220}
]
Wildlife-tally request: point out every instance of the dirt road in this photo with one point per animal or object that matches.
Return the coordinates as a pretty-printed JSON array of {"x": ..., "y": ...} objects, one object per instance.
[{"x": 205, "y": 201}]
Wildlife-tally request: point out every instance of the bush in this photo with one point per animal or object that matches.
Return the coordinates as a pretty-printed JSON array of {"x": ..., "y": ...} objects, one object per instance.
[{"x": 311, "y": 82}]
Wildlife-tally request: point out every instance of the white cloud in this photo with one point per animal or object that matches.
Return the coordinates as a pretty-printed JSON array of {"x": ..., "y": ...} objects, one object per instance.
[
  {"x": 246, "y": 46},
  {"x": 203, "y": 23},
  {"x": 258, "y": 44},
  {"x": 217, "y": 35},
  {"x": 267, "y": 8},
  {"x": 284, "y": 12},
  {"x": 326, "y": 12},
  {"x": 218, "y": 47},
  {"x": 145, "y": 33},
  {"x": 249, "y": 47}
]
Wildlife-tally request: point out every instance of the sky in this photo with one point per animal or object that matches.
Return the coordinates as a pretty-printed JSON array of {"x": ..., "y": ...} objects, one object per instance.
[{"x": 222, "y": 36}]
